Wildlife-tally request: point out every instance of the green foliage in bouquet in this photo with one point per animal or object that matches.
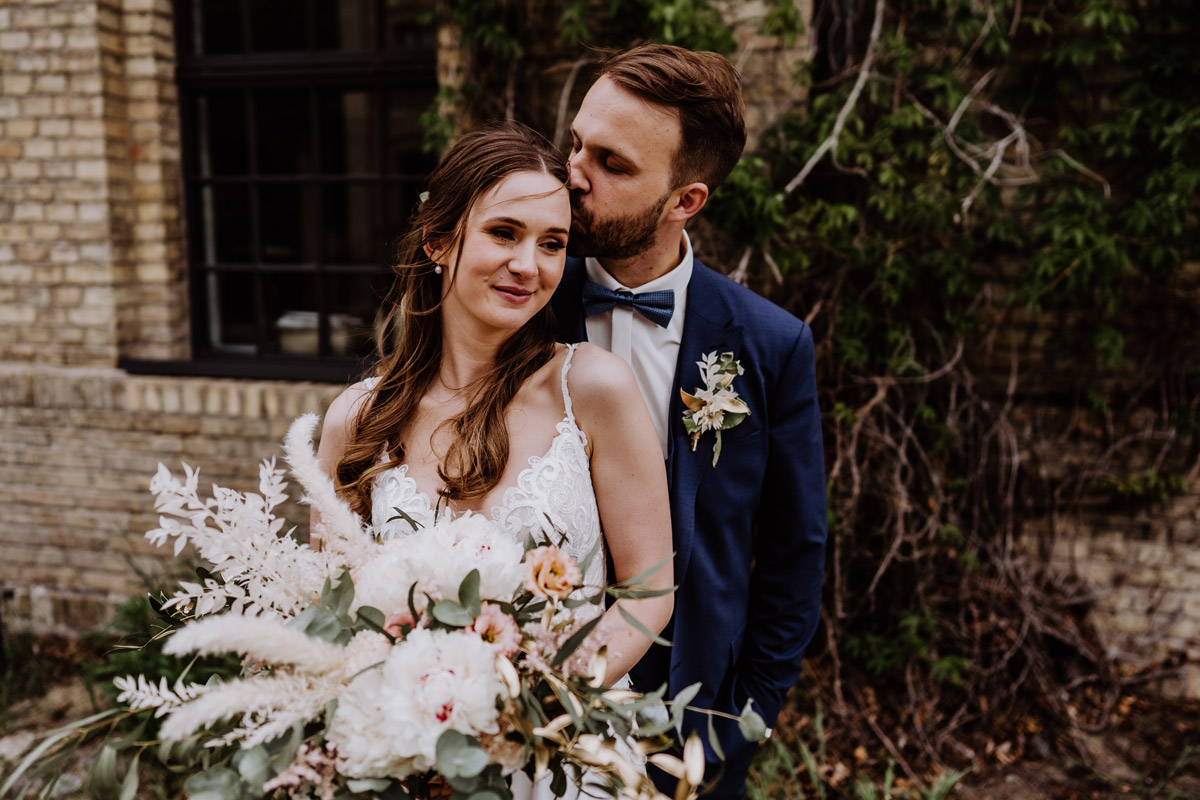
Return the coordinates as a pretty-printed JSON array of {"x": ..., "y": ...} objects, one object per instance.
[{"x": 376, "y": 668}]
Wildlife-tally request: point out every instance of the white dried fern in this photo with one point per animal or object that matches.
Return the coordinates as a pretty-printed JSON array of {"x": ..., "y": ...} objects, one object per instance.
[
  {"x": 140, "y": 694},
  {"x": 263, "y": 570}
]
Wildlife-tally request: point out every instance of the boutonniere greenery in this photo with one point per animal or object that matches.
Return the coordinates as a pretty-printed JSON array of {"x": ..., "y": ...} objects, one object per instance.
[{"x": 715, "y": 406}]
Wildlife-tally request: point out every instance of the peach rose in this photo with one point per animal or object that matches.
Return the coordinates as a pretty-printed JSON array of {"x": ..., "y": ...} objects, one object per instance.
[{"x": 549, "y": 572}]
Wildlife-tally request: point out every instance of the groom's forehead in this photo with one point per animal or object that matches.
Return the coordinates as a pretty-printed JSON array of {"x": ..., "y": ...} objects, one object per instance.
[{"x": 614, "y": 118}]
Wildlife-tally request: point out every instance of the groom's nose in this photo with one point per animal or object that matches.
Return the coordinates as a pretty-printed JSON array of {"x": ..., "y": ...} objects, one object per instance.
[{"x": 579, "y": 182}]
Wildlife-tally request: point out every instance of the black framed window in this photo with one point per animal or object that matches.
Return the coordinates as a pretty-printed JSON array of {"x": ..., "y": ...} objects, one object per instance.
[{"x": 302, "y": 162}]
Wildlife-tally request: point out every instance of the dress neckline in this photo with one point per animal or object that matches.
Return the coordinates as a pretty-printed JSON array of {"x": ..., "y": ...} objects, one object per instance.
[{"x": 566, "y": 427}]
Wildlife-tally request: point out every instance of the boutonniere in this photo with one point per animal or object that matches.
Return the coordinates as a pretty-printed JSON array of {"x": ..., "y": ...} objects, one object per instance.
[{"x": 715, "y": 406}]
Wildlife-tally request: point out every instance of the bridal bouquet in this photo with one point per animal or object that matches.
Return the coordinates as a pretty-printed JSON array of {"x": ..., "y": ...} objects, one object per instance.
[{"x": 439, "y": 663}]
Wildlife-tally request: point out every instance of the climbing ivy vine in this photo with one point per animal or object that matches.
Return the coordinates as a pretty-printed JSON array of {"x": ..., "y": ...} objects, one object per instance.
[{"x": 987, "y": 211}]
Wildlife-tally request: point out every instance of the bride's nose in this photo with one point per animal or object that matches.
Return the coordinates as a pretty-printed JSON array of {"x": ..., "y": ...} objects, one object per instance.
[{"x": 523, "y": 264}]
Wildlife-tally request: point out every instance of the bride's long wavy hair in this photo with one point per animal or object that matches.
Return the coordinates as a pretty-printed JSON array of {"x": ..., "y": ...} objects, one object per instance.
[{"x": 410, "y": 340}]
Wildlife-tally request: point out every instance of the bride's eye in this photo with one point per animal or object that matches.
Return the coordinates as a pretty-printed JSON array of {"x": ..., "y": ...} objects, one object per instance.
[
  {"x": 554, "y": 245},
  {"x": 504, "y": 234}
]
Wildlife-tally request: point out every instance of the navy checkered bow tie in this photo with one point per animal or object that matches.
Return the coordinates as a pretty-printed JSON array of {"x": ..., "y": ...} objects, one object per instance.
[{"x": 654, "y": 306}]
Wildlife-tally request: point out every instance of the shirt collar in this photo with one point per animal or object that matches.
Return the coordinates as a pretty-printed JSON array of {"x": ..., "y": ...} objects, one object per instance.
[{"x": 676, "y": 279}]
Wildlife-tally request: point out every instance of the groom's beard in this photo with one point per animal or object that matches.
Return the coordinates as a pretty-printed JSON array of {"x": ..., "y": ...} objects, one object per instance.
[{"x": 616, "y": 238}]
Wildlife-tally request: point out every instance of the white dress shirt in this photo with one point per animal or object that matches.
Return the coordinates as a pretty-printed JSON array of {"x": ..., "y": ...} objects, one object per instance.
[{"x": 650, "y": 350}]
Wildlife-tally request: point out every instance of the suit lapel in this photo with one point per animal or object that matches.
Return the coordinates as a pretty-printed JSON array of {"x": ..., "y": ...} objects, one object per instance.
[{"x": 708, "y": 328}]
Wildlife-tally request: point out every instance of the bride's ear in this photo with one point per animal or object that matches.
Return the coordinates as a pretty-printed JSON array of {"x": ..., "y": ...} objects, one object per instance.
[{"x": 433, "y": 251}]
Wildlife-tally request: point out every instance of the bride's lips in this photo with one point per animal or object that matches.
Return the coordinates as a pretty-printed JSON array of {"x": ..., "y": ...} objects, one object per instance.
[{"x": 514, "y": 294}]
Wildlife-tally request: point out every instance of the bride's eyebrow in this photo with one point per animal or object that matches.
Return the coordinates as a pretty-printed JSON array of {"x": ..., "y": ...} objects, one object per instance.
[{"x": 516, "y": 223}]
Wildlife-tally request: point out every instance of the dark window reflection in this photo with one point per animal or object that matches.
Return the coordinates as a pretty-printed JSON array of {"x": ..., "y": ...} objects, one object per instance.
[
  {"x": 217, "y": 27},
  {"x": 354, "y": 226},
  {"x": 285, "y": 130},
  {"x": 232, "y": 313},
  {"x": 277, "y": 25},
  {"x": 300, "y": 179},
  {"x": 221, "y": 121}
]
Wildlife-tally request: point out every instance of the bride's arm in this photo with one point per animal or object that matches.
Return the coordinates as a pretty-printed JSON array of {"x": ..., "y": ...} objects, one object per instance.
[
  {"x": 630, "y": 480},
  {"x": 335, "y": 433}
]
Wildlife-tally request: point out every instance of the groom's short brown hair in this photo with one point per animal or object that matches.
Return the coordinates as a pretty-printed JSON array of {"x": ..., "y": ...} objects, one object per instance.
[{"x": 705, "y": 89}]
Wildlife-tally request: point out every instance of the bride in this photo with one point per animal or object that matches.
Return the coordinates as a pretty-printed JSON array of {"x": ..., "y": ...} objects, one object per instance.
[{"x": 476, "y": 408}]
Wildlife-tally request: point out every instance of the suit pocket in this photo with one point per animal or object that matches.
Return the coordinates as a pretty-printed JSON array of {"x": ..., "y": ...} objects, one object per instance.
[{"x": 745, "y": 432}]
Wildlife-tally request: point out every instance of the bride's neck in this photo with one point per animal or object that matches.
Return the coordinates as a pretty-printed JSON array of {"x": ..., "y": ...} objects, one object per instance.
[{"x": 465, "y": 359}]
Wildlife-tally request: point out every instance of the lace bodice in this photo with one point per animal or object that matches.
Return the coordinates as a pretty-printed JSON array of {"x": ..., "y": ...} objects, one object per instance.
[{"x": 553, "y": 493}]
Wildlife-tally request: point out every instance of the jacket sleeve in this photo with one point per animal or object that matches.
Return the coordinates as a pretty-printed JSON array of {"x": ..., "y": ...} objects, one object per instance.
[{"x": 789, "y": 546}]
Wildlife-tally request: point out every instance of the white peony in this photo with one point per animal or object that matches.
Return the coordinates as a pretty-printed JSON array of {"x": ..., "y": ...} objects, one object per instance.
[
  {"x": 437, "y": 559},
  {"x": 388, "y": 721}
]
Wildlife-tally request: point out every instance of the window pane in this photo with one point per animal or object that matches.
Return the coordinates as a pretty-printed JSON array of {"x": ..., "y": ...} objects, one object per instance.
[
  {"x": 290, "y": 306},
  {"x": 349, "y": 132},
  {"x": 402, "y": 25},
  {"x": 222, "y": 147},
  {"x": 404, "y": 133},
  {"x": 352, "y": 232},
  {"x": 284, "y": 131},
  {"x": 217, "y": 27},
  {"x": 277, "y": 25},
  {"x": 401, "y": 198},
  {"x": 287, "y": 220},
  {"x": 354, "y": 300},
  {"x": 345, "y": 24},
  {"x": 231, "y": 308},
  {"x": 224, "y": 235}
]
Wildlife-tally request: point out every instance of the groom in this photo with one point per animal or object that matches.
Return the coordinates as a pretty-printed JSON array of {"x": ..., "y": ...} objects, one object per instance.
[{"x": 657, "y": 132}]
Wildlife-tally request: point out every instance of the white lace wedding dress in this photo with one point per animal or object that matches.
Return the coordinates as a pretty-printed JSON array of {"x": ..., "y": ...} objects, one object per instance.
[{"x": 555, "y": 487}]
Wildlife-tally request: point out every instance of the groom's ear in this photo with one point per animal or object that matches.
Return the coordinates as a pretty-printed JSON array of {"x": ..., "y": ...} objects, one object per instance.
[{"x": 689, "y": 200}]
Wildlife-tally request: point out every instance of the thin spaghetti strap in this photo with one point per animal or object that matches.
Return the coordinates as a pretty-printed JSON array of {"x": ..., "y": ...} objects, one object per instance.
[{"x": 566, "y": 367}]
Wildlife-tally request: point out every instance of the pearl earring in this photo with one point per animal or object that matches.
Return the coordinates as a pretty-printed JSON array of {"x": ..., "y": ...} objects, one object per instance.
[{"x": 437, "y": 269}]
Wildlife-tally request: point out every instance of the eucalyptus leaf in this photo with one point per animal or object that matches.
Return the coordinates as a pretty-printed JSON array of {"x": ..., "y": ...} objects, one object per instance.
[
  {"x": 451, "y": 613},
  {"x": 129, "y": 786},
  {"x": 751, "y": 724},
  {"x": 679, "y": 705},
  {"x": 122, "y": 742},
  {"x": 401, "y": 515},
  {"x": 558, "y": 783},
  {"x": 468, "y": 594},
  {"x": 215, "y": 784},
  {"x": 714, "y": 741},
  {"x": 574, "y": 640},
  {"x": 103, "y": 783},
  {"x": 341, "y": 593},
  {"x": 639, "y": 594},
  {"x": 373, "y": 617},
  {"x": 641, "y": 577},
  {"x": 53, "y": 738},
  {"x": 717, "y": 448},
  {"x": 636, "y": 623},
  {"x": 587, "y": 560},
  {"x": 319, "y": 622},
  {"x": 254, "y": 765},
  {"x": 459, "y": 756}
]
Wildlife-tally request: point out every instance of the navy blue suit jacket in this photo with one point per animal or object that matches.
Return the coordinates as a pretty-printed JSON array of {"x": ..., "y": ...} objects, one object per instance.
[{"x": 749, "y": 534}]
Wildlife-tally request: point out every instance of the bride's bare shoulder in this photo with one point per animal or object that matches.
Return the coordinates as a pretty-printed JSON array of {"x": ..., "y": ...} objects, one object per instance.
[
  {"x": 347, "y": 405},
  {"x": 599, "y": 378},
  {"x": 340, "y": 416}
]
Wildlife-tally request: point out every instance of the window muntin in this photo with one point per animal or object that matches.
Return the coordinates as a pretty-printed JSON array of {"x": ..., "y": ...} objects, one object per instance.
[{"x": 303, "y": 160}]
